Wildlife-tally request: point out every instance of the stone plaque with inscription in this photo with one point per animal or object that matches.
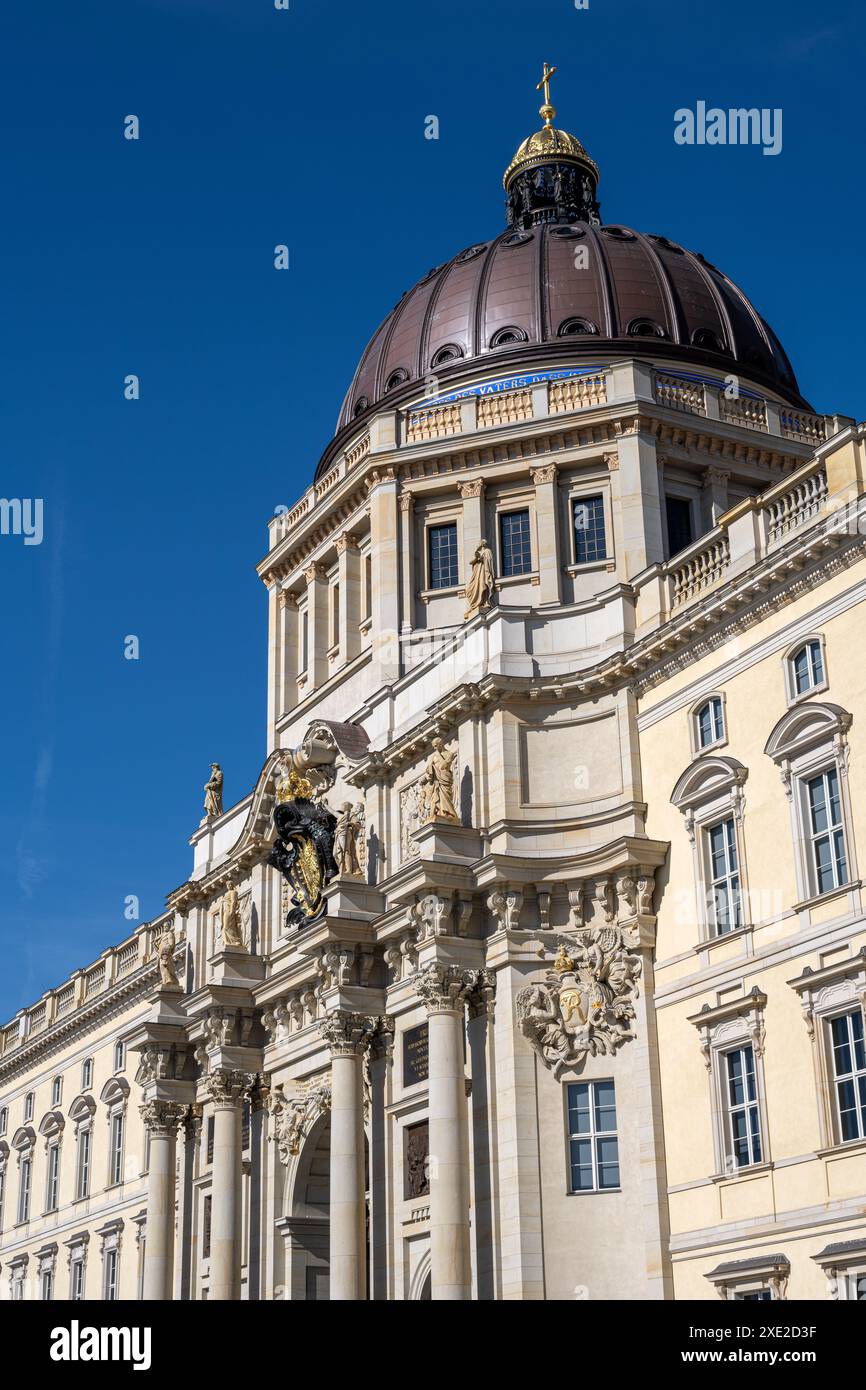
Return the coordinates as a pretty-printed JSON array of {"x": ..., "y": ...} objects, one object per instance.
[{"x": 415, "y": 1054}]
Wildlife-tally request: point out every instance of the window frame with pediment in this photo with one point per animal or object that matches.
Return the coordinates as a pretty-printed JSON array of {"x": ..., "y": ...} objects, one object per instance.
[
  {"x": 809, "y": 740},
  {"x": 825, "y": 994},
  {"x": 111, "y": 1239},
  {"x": 699, "y": 751},
  {"x": 843, "y": 1264},
  {"x": 723, "y": 1029},
  {"x": 51, "y": 1128},
  {"x": 77, "y": 1246},
  {"x": 17, "y": 1268},
  {"x": 82, "y": 1112},
  {"x": 709, "y": 792},
  {"x": 4, "y": 1165},
  {"x": 46, "y": 1267},
  {"x": 115, "y": 1097},
  {"x": 24, "y": 1144}
]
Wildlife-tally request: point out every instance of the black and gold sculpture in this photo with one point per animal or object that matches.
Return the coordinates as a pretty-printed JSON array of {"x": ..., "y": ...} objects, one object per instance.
[{"x": 303, "y": 850}]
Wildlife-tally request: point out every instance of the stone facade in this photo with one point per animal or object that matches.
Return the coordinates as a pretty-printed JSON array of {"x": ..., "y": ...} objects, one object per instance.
[{"x": 503, "y": 1062}]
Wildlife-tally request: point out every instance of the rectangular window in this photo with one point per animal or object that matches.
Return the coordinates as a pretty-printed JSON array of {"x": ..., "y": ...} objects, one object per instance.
[
  {"x": 82, "y": 1185},
  {"x": 115, "y": 1172},
  {"x": 47, "y": 1285},
  {"x": 335, "y": 615},
  {"x": 2, "y": 1194},
  {"x": 808, "y": 667},
  {"x": 76, "y": 1280},
  {"x": 593, "y": 1144},
  {"x": 245, "y": 1126},
  {"x": 24, "y": 1189},
  {"x": 826, "y": 833},
  {"x": 849, "y": 1071},
  {"x": 590, "y": 541},
  {"x": 756, "y": 1296},
  {"x": 305, "y": 641},
  {"x": 205, "y": 1229},
  {"x": 368, "y": 586},
  {"x": 52, "y": 1194},
  {"x": 112, "y": 1261},
  {"x": 711, "y": 725},
  {"x": 87, "y": 1074},
  {"x": 442, "y": 552},
  {"x": 744, "y": 1127},
  {"x": 724, "y": 899},
  {"x": 515, "y": 545},
  {"x": 678, "y": 514},
  {"x": 210, "y": 1133}
]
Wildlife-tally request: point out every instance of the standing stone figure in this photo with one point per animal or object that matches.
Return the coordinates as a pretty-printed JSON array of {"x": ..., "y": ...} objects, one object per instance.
[
  {"x": 231, "y": 918},
  {"x": 213, "y": 792},
  {"x": 165, "y": 957},
  {"x": 479, "y": 590},
  {"x": 438, "y": 783},
  {"x": 349, "y": 827}
]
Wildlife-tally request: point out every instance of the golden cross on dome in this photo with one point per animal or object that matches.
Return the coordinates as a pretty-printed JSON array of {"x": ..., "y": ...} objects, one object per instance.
[{"x": 547, "y": 110}]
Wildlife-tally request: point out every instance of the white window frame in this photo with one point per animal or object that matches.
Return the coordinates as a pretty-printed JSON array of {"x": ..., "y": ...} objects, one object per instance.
[
  {"x": 724, "y": 1029},
  {"x": 747, "y": 1106},
  {"x": 430, "y": 521},
  {"x": 581, "y": 492},
  {"x": 591, "y": 1136},
  {"x": 824, "y": 994},
  {"x": 510, "y": 506},
  {"x": 699, "y": 749},
  {"x": 46, "y": 1266},
  {"x": 77, "y": 1259},
  {"x": 29, "y": 1102},
  {"x": 839, "y": 870},
  {"x": 807, "y": 741},
  {"x": 111, "y": 1238},
  {"x": 81, "y": 1113},
  {"x": 725, "y": 881},
  {"x": 56, "y": 1091},
  {"x": 114, "y": 1096},
  {"x": 711, "y": 790},
  {"x": 4, "y": 1119},
  {"x": 855, "y": 1075},
  {"x": 52, "y": 1176},
  {"x": 87, "y": 1074},
  {"x": 793, "y": 696},
  {"x": 119, "y": 1051},
  {"x": 735, "y": 1280},
  {"x": 25, "y": 1187}
]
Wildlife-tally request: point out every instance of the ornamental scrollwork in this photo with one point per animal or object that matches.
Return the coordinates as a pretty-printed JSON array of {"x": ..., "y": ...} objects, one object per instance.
[{"x": 586, "y": 1004}]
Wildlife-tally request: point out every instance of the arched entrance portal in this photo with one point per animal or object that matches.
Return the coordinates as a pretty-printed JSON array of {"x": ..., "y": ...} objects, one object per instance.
[{"x": 307, "y": 1224}]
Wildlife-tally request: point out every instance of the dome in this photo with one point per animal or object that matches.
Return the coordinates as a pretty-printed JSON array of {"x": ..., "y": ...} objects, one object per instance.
[{"x": 558, "y": 279}]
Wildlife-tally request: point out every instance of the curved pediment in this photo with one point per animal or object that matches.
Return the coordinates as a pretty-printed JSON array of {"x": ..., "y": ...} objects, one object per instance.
[
  {"x": 24, "y": 1138},
  {"x": 707, "y": 777},
  {"x": 81, "y": 1108},
  {"x": 52, "y": 1122},
  {"x": 114, "y": 1090},
  {"x": 804, "y": 726}
]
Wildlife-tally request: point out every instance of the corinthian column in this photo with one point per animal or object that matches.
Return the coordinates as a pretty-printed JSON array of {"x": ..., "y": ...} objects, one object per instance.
[
  {"x": 347, "y": 1035},
  {"x": 444, "y": 989},
  {"x": 161, "y": 1119},
  {"x": 226, "y": 1089}
]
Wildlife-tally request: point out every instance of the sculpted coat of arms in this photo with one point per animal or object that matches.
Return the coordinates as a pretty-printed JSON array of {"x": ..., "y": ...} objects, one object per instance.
[{"x": 586, "y": 1004}]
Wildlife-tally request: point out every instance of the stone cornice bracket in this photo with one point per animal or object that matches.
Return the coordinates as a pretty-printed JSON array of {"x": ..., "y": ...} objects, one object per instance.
[
  {"x": 345, "y": 542},
  {"x": 287, "y": 598},
  {"x": 504, "y": 904},
  {"x": 162, "y": 1117},
  {"x": 715, "y": 1024},
  {"x": 226, "y": 1087},
  {"x": 447, "y": 988},
  {"x": 348, "y": 1034},
  {"x": 315, "y": 571},
  {"x": 611, "y": 462}
]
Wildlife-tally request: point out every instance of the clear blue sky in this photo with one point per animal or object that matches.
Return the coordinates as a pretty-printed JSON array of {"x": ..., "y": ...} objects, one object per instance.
[{"x": 155, "y": 257}]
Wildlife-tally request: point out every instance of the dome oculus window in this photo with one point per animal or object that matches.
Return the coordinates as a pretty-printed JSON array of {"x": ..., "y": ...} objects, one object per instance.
[
  {"x": 449, "y": 353},
  {"x": 706, "y": 338},
  {"x": 396, "y": 379},
  {"x": 645, "y": 328},
  {"x": 619, "y": 233},
  {"x": 508, "y": 335},
  {"x": 576, "y": 328},
  {"x": 361, "y": 405}
]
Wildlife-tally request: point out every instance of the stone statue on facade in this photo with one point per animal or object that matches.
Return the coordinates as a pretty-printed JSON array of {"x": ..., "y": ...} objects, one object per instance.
[
  {"x": 165, "y": 948},
  {"x": 586, "y": 1004},
  {"x": 230, "y": 918},
  {"x": 347, "y": 837},
  {"x": 438, "y": 785},
  {"x": 213, "y": 792},
  {"x": 482, "y": 581}
]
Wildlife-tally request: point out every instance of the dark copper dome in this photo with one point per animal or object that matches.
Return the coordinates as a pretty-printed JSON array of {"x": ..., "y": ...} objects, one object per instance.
[{"x": 521, "y": 293}]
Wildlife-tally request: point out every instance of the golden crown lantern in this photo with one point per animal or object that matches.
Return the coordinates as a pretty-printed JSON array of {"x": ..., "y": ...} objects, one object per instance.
[{"x": 549, "y": 143}]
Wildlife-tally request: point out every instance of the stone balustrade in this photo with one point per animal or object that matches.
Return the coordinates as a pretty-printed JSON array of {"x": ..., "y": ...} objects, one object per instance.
[
  {"x": 790, "y": 506},
  {"x": 705, "y": 562},
  {"x": 677, "y": 393}
]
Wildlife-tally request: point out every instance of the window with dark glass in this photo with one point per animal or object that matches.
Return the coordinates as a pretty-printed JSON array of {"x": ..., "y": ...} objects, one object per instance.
[
  {"x": 710, "y": 722},
  {"x": 724, "y": 896},
  {"x": 590, "y": 541},
  {"x": 205, "y": 1228},
  {"x": 592, "y": 1138},
  {"x": 210, "y": 1137},
  {"x": 808, "y": 667},
  {"x": 442, "y": 544},
  {"x": 826, "y": 831},
  {"x": 678, "y": 511},
  {"x": 515, "y": 545},
  {"x": 744, "y": 1128},
  {"x": 849, "y": 1071}
]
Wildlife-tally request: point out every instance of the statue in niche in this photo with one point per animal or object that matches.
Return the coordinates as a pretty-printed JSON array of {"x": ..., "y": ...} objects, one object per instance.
[
  {"x": 438, "y": 785},
  {"x": 165, "y": 958},
  {"x": 479, "y": 590},
  {"x": 213, "y": 792},
  {"x": 349, "y": 831},
  {"x": 418, "y": 1161},
  {"x": 230, "y": 918}
]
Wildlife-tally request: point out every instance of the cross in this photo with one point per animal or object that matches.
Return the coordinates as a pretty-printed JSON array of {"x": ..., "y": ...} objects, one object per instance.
[{"x": 545, "y": 83}]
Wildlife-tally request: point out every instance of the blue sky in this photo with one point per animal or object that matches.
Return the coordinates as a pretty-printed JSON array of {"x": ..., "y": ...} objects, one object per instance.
[{"x": 155, "y": 257}]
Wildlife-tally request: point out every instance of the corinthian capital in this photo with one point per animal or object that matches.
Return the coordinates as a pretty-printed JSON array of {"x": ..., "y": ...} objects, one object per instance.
[
  {"x": 227, "y": 1087},
  {"x": 446, "y": 988},
  {"x": 161, "y": 1117},
  {"x": 348, "y": 1034}
]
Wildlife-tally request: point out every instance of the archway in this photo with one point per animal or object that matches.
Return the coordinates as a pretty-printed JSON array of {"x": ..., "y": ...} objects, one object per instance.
[{"x": 306, "y": 1225}]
